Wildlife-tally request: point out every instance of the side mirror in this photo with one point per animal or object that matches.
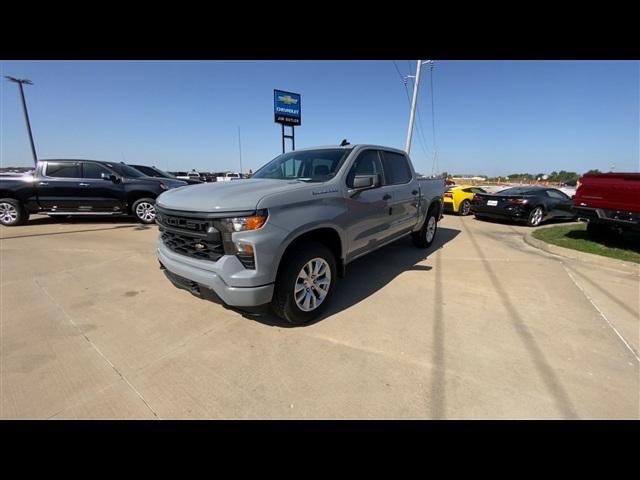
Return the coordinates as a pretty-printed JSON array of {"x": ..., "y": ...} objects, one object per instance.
[
  {"x": 109, "y": 176},
  {"x": 365, "y": 182}
]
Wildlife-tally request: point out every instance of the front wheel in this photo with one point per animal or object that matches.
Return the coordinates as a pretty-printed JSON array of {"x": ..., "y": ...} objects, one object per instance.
[
  {"x": 305, "y": 284},
  {"x": 12, "y": 213},
  {"x": 144, "y": 210},
  {"x": 423, "y": 238},
  {"x": 535, "y": 217}
]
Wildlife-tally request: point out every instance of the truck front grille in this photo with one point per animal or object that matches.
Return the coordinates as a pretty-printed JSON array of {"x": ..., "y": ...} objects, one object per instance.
[{"x": 193, "y": 247}]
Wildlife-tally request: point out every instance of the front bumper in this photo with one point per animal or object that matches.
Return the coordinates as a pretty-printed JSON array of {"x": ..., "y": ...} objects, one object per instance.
[{"x": 212, "y": 278}]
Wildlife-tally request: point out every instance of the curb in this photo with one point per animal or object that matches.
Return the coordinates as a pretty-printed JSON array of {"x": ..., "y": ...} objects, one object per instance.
[{"x": 578, "y": 255}]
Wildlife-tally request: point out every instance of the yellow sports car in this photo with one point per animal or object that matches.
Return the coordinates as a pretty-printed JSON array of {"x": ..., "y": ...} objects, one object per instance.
[{"x": 457, "y": 198}]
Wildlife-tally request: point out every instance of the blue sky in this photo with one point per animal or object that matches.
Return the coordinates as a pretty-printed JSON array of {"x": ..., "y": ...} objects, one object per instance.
[{"x": 491, "y": 117}]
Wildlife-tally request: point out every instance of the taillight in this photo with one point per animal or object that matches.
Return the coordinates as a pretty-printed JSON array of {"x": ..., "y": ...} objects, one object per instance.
[
  {"x": 517, "y": 201},
  {"x": 448, "y": 194}
]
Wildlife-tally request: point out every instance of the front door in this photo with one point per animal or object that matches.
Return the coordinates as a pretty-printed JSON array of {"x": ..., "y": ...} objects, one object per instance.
[
  {"x": 559, "y": 204},
  {"x": 368, "y": 210},
  {"x": 99, "y": 194}
]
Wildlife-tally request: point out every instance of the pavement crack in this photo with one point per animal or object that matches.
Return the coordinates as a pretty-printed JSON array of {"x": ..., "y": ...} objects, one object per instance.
[{"x": 602, "y": 315}]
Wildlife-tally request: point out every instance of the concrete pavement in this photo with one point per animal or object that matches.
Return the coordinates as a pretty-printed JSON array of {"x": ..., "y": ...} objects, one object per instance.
[{"x": 482, "y": 325}]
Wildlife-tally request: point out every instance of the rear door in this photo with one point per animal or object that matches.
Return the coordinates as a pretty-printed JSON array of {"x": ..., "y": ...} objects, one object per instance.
[
  {"x": 403, "y": 191},
  {"x": 99, "y": 194},
  {"x": 58, "y": 187}
]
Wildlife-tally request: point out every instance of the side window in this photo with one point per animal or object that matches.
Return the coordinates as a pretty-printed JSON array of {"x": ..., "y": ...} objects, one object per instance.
[
  {"x": 367, "y": 163},
  {"x": 477, "y": 190},
  {"x": 557, "y": 194},
  {"x": 63, "y": 169},
  {"x": 93, "y": 170},
  {"x": 396, "y": 168}
]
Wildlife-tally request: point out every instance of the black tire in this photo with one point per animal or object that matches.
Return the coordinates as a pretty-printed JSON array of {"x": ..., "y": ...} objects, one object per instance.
[
  {"x": 423, "y": 238},
  {"x": 12, "y": 213},
  {"x": 144, "y": 210},
  {"x": 598, "y": 230},
  {"x": 465, "y": 208},
  {"x": 284, "y": 303},
  {"x": 536, "y": 216}
]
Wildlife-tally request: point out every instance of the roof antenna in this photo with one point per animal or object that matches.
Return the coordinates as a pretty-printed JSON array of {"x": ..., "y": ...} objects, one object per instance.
[{"x": 344, "y": 143}]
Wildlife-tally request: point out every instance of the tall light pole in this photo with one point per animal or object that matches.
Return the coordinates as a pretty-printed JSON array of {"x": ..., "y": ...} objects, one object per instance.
[
  {"x": 414, "y": 101},
  {"x": 240, "y": 150},
  {"x": 20, "y": 82}
]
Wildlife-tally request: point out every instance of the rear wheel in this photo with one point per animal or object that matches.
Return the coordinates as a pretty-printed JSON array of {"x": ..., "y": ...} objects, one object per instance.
[
  {"x": 535, "y": 217},
  {"x": 305, "y": 283},
  {"x": 12, "y": 213},
  {"x": 144, "y": 210},
  {"x": 423, "y": 238},
  {"x": 465, "y": 208}
]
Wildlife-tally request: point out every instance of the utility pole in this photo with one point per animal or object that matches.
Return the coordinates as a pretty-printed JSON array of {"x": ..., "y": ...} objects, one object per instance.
[
  {"x": 414, "y": 102},
  {"x": 240, "y": 150},
  {"x": 20, "y": 82}
]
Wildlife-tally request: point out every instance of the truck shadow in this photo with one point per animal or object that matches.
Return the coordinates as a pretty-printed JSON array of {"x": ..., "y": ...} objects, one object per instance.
[
  {"x": 628, "y": 240},
  {"x": 367, "y": 275},
  {"x": 100, "y": 222}
]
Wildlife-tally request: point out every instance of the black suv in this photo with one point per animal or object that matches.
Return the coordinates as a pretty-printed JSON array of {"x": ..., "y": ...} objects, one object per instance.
[{"x": 81, "y": 187}]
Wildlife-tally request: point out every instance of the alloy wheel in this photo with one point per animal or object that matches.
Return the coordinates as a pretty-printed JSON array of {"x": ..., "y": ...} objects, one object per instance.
[{"x": 312, "y": 284}]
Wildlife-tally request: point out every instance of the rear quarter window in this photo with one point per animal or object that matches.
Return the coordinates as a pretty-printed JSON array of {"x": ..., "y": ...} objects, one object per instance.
[{"x": 63, "y": 169}]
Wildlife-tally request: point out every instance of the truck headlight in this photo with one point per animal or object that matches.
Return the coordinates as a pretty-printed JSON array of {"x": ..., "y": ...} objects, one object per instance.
[{"x": 243, "y": 224}]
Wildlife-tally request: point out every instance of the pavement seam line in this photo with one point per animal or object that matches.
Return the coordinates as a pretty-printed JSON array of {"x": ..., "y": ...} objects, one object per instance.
[
  {"x": 95, "y": 347},
  {"x": 629, "y": 347}
]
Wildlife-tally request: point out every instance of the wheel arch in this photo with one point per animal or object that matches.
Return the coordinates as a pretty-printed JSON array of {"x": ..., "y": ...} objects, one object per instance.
[
  {"x": 325, "y": 235},
  {"x": 136, "y": 195}
]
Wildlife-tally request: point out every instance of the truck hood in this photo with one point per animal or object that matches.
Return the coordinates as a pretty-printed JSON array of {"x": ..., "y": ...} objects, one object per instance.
[{"x": 238, "y": 195}]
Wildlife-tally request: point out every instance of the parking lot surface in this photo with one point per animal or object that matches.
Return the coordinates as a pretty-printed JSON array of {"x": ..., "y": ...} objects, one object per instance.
[{"x": 480, "y": 326}]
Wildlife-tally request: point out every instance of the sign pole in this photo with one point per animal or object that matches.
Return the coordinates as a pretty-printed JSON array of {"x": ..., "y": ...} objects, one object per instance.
[{"x": 282, "y": 125}]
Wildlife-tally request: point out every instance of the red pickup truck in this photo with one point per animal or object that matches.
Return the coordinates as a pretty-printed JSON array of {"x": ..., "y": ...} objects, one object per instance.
[{"x": 608, "y": 201}]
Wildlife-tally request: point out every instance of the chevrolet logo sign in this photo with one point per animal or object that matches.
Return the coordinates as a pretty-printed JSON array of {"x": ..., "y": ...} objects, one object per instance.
[{"x": 288, "y": 99}]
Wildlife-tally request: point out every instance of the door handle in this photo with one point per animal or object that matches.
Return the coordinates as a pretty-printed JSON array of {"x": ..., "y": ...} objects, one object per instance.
[
  {"x": 43, "y": 183},
  {"x": 414, "y": 192},
  {"x": 386, "y": 196},
  {"x": 83, "y": 184}
]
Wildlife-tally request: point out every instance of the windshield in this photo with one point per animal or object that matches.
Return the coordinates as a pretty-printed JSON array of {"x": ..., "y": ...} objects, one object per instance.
[
  {"x": 307, "y": 165},
  {"x": 162, "y": 173}
]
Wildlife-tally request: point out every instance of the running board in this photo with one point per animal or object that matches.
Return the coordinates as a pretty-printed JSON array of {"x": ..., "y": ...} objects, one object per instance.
[{"x": 81, "y": 213}]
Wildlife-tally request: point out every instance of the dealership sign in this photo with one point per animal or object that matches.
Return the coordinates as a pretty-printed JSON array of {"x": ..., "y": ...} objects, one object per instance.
[{"x": 286, "y": 108}]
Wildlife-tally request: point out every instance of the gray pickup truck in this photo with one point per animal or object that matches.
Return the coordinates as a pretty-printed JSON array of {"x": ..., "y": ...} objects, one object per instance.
[{"x": 284, "y": 236}]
